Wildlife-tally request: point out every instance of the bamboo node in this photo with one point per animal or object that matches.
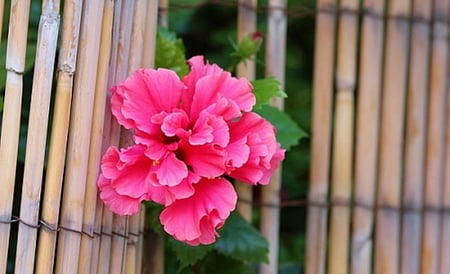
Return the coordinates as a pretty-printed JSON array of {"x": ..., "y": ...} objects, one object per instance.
[{"x": 15, "y": 71}]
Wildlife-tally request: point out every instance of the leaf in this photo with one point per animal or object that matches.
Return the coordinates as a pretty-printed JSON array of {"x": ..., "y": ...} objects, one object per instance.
[
  {"x": 241, "y": 241},
  {"x": 170, "y": 52},
  {"x": 266, "y": 89},
  {"x": 288, "y": 132},
  {"x": 152, "y": 212},
  {"x": 220, "y": 264},
  {"x": 188, "y": 255}
]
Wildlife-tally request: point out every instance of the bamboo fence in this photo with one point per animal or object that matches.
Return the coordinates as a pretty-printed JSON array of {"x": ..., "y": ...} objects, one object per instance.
[{"x": 379, "y": 192}]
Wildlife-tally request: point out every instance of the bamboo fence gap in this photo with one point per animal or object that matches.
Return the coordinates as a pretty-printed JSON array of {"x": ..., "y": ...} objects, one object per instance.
[
  {"x": 320, "y": 137},
  {"x": 246, "y": 26},
  {"x": 9, "y": 140},
  {"x": 366, "y": 137},
  {"x": 57, "y": 148},
  {"x": 435, "y": 138},
  {"x": 387, "y": 230},
  {"x": 415, "y": 129},
  {"x": 37, "y": 133},
  {"x": 79, "y": 140}
]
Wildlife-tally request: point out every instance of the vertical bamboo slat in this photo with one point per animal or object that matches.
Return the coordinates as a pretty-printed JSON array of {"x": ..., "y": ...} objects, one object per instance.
[
  {"x": 435, "y": 143},
  {"x": 57, "y": 150},
  {"x": 79, "y": 139},
  {"x": 275, "y": 66},
  {"x": 415, "y": 139},
  {"x": 387, "y": 233},
  {"x": 2, "y": 7},
  {"x": 9, "y": 140},
  {"x": 246, "y": 26},
  {"x": 89, "y": 246},
  {"x": 368, "y": 109},
  {"x": 37, "y": 133},
  {"x": 163, "y": 13},
  {"x": 342, "y": 154},
  {"x": 321, "y": 132}
]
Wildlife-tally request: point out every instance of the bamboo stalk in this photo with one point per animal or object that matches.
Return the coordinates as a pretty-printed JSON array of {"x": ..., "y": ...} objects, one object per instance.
[
  {"x": 415, "y": 139},
  {"x": 15, "y": 63},
  {"x": 342, "y": 154},
  {"x": 387, "y": 235},
  {"x": 275, "y": 66},
  {"x": 57, "y": 150},
  {"x": 37, "y": 133},
  {"x": 435, "y": 146},
  {"x": 2, "y": 7},
  {"x": 79, "y": 139},
  {"x": 163, "y": 13},
  {"x": 95, "y": 151},
  {"x": 320, "y": 139},
  {"x": 246, "y": 26},
  {"x": 366, "y": 147}
]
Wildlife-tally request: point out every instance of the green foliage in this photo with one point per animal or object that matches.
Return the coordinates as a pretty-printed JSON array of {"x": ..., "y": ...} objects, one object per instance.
[
  {"x": 188, "y": 255},
  {"x": 170, "y": 52},
  {"x": 265, "y": 89},
  {"x": 288, "y": 132},
  {"x": 221, "y": 264}
]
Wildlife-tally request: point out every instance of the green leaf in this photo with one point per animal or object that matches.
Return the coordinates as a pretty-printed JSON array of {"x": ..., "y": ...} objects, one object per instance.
[
  {"x": 152, "y": 212},
  {"x": 188, "y": 255},
  {"x": 170, "y": 52},
  {"x": 288, "y": 132},
  {"x": 266, "y": 89},
  {"x": 1, "y": 103},
  {"x": 220, "y": 264},
  {"x": 241, "y": 241}
]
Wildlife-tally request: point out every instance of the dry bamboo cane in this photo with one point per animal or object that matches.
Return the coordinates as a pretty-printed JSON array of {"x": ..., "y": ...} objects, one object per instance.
[
  {"x": 415, "y": 140},
  {"x": 15, "y": 63},
  {"x": 163, "y": 13},
  {"x": 445, "y": 231},
  {"x": 275, "y": 66},
  {"x": 120, "y": 223},
  {"x": 366, "y": 147},
  {"x": 57, "y": 151},
  {"x": 321, "y": 132},
  {"x": 135, "y": 61},
  {"x": 2, "y": 7},
  {"x": 246, "y": 26},
  {"x": 37, "y": 133},
  {"x": 387, "y": 235},
  {"x": 89, "y": 245},
  {"x": 435, "y": 147},
  {"x": 79, "y": 139},
  {"x": 342, "y": 154}
]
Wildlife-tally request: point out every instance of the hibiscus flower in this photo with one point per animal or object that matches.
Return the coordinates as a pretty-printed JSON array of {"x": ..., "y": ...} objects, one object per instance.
[{"x": 188, "y": 135}]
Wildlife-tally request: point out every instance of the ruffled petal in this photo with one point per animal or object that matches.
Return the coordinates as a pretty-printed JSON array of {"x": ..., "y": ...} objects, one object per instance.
[
  {"x": 195, "y": 220},
  {"x": 205, "y": 160},
  {"x": 170, "y": 171}
]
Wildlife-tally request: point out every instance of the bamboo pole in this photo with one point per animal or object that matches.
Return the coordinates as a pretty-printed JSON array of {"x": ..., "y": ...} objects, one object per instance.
[
  {"x": 36, "y": 135},
  {"x": 368, "y": 109},
  {"x": 435, "y": 143},
  {"x": 89, "y": 245},
  {"x": 342, "y": 154},
  {"x": 415, "y": 139},
  {"x": 135, "y": 62},
  {"x": 275, "y": 66},
  {"x": 387, "y": 230},
  {"x": 15, "y": 64},
  {"x": 321, "y": 132},
  {"x": 2, "y": 7},
  {"x": 57, "y": 150},
  {"x": 163, "y": 13},
  {"x": 246, "y": 26},
  {"x": 79, "y": 139}
]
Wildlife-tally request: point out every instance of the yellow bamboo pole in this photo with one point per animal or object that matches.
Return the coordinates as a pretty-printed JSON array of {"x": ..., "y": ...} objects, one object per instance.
[
  {"x": 15, "y": 64},
  {"x": 342, "y": 159},
  {"x": 2, "y": 7},
  {"x": 246, "y": 26},
  {"x": 435, "y": 144},
  {"x": 89, "y": 245},
  {"x": 366, "y": 147},
  {"x": 135, "y": 62},
  {"x": 57, "y": 150},
  {"x": 79, "y": 139},
  {"x": 275, "y": 66},
  {"x": 163, "y": 13},
  {"x": 415, "y": 139},
  {"x": 321, "y": 132},
  {"x": 36, "y": 135},
  {"x": 387, "y": 230}
]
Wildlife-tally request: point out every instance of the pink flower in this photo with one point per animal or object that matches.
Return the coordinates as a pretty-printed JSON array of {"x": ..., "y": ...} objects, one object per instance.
[{"x": 188, "y": 133}]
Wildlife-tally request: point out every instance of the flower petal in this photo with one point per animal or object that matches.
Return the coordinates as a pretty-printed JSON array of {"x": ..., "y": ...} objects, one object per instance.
[{"x": 170, "y": 171}]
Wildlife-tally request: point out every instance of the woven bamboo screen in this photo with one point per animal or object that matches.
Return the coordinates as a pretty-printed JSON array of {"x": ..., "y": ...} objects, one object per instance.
[{"x": 379, "y": 193}]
